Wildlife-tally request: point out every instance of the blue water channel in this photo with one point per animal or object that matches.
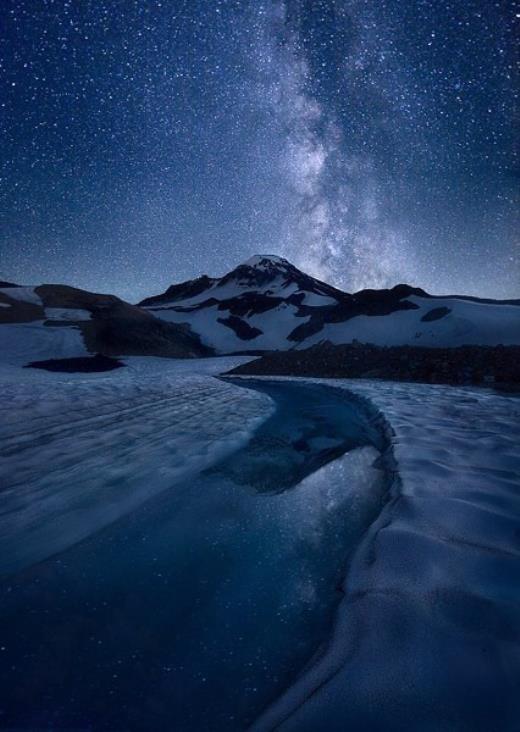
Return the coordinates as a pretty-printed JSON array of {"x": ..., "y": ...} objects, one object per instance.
[{"x": 198, "y": 609}]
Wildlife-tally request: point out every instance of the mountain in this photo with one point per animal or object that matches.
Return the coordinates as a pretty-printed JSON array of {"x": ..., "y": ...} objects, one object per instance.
[
  {"x": 266, "y": 275},
  {"x": 53, "y": 321},
  {"x": 267, "y": 304}
]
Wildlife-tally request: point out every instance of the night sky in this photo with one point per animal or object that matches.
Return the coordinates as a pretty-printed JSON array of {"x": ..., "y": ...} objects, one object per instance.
[{"x": 368, "y": 141}]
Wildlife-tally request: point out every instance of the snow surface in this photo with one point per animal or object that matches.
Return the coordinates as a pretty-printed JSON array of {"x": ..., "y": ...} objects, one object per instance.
[
  {"x": 67, "y": 314},
  {"x": 275, "y": 324},
  {"x": 26, "y": 294},
  {"x": 265, "y": 261},
  {"x": 428, "y": 633},
  {"x": 317, "y": 301},
  {"x": 78, "y": 451},
  {"x": 21, "y": 343},
  {"x": 229, "y": 290},
  {"x": 468, "y": 323}
]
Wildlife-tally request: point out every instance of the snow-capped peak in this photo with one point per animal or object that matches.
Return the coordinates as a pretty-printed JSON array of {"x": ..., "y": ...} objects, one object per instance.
[
  {"x": 259, "y": 272},
  {"x": 264, "y": 274},
  {"x": 266, "y": 261},
  {"x": 266, "y": 303}
]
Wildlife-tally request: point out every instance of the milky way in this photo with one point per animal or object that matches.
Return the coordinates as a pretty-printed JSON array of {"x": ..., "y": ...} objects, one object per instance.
[{"x": 369, "y": 141}]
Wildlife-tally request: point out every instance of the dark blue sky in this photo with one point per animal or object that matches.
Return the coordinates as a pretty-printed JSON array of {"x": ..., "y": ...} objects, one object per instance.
[{"x": 369, "y": 141}]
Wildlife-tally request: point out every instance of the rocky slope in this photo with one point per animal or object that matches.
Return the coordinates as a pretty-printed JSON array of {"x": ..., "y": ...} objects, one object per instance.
[{"x": 87, "y": 323}]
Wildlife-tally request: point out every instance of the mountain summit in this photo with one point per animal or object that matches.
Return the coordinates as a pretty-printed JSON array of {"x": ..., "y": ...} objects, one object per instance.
[
  {"x": 263, "y": 273},
  {"x": 266, "y": 303}
]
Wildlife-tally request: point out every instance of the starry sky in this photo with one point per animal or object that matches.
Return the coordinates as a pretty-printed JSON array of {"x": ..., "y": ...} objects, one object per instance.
[{"x": 370, "y": 142}]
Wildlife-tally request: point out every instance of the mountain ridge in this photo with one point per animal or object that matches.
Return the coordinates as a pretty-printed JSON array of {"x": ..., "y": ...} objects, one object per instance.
[
  {"x": 263, "y": 305},
  {"x": 266, "y": 303},
  {"x": 279, "y": 265},
  {"x": 46, "y": 321}
]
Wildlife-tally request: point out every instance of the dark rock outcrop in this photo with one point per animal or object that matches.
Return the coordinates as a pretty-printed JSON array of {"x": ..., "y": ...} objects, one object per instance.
[
  {"x": 435, "y": 314},
  {"x": 13, "y": 310},
  {"x": 182, "y": 291},
  {"x": 128, "y": 336},
  {"x": 242, "y": 329},
  {"x": 82, "y": 364},
  {"x": 482, "y": 365}
]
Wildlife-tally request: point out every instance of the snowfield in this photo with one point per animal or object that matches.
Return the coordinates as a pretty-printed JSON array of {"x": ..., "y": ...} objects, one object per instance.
[
  {"x": 467, "y": 323},
  {"x": 419, "y": 631},
  {"x": 21, "y": 343},
  {"x": 428, "y": 634},
  {"x": 264, "y": 304},
  {"x": 79, "y": 451},
  {"x": 25, "y": 294}
]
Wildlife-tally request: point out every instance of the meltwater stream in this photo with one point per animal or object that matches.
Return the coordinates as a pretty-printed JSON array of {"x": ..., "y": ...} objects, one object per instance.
[{"x": 198, "y": 609}]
